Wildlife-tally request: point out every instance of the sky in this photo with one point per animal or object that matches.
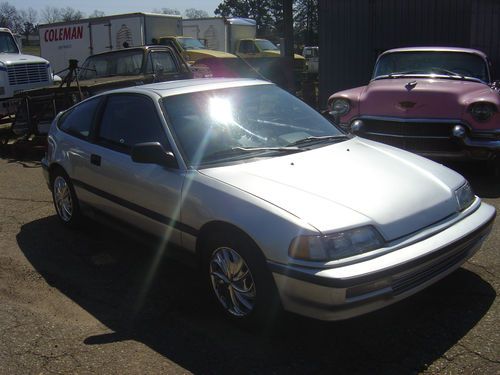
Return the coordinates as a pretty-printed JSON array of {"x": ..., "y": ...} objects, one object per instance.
[{"x": 116, "y": 6}]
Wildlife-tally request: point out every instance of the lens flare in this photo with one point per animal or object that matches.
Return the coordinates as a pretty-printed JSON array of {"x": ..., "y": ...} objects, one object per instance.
[{"x": 221, "y": 111}]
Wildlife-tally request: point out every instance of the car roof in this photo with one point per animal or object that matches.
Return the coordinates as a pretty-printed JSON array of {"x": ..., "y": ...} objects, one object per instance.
[
  {"x": 185, "y": 86},
  {"x": 133, "y": 48},
  {"x": 437, "y": 49}
]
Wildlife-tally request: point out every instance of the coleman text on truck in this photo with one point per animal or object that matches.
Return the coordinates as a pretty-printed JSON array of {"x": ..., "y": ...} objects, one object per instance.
[{"x": 60, "y": 42}]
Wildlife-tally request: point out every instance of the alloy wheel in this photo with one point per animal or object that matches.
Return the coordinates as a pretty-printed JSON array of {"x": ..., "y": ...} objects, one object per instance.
[
  {"x": 62, "y": 199},
  {"x": 232, "y": 282}
]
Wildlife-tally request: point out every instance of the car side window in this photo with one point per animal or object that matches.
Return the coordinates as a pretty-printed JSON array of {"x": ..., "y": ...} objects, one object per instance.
[
  {"x": 161, "y": 62},
  {"x": 129, "y": 119},
  {"x": 78, "y": 121}
]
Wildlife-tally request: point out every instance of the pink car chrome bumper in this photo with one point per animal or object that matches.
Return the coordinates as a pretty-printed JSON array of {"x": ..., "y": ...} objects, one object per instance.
[{"x": 441, "y": 138}]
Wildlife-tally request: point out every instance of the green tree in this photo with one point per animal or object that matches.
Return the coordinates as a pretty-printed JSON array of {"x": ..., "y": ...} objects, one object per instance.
[
  {"x": 96, "y": 14},
  {"x": 195, "y": 13},
  {"x": 269, "y": 17},
  {"x": 9, "y": 17},
  {"x": 306, "y": 22},
  {"x": 51, "y": 14},
  {"x": 254, "y": 9},
  {"x": 71, "y": 14},
  {"x": 167, "y": 11},
  {"x": 29, "y": 22}
]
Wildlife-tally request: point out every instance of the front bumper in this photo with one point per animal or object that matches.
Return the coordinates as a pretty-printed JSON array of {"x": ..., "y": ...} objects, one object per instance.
[
  {"x": 352, "y": 290},
  {"x": 486, "y": 141}
]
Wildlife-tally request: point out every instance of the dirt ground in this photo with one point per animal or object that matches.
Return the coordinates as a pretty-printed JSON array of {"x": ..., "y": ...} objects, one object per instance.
[{"x": 88, "y": 302}]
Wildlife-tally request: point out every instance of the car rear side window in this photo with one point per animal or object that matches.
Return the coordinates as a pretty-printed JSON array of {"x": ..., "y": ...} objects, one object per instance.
[
  {"x": 130, "y": 119},
  {"x": 161, "y": 62},
  {"x": 78, "y": 121}
]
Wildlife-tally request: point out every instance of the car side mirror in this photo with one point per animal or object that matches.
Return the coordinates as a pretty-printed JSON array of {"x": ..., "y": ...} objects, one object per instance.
[
  {"x": 496, "y": 85},
  {"x": 153, "y": 153}
]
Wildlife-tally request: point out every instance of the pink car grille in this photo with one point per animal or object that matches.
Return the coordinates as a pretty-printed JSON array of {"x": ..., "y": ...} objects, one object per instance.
[{"x": 412, "y": 136}]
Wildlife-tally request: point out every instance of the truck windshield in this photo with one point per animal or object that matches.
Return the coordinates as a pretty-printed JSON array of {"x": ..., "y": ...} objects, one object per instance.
[
  {"x": 244, "y": 122},
  {"x": 191, "y": 43},
  {"x": 442, "y": 63},
  {"x": 7, "y": 43},
  {"x": 120, "y": 63},
  {"x": 266, "y": 45}
]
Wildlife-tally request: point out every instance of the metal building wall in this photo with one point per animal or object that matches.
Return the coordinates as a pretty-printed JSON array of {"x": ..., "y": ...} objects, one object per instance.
[
  {"x": 485, "y": 30},
  {"x": 353, "y": 32}
]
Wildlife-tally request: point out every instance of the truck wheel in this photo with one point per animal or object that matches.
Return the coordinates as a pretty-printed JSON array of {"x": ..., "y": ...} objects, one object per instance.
[
  {"x": 241, "y": 285},
  {"x": 65, "y": 200}
]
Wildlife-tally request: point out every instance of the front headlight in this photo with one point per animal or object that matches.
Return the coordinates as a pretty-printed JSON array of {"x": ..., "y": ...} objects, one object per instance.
[
  {"x": 465, "y": 196},
  {"x": 482, "y": 111},
  {"x": 340, "y": 107},
  {"x": 337, "y": 245}
]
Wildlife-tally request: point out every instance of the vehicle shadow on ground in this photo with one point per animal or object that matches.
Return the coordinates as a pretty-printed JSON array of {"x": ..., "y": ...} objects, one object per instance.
[
  {"x": 24, "y": 151},
  {"x": 104, "y": 272}
]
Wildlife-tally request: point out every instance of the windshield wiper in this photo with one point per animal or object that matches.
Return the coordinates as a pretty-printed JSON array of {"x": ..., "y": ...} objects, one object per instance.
[
  {"x": 448, "y": 72},
  {"x": 402, "y": 74},
  {"x": 318, "y": 139},
  {"x": 424, "y": 72},
  {"x": 235, "y": 151}
]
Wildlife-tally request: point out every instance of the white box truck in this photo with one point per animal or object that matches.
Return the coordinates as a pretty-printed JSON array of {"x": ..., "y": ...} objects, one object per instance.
[
  {"x": 220, "y": 34},
  {"x": 62, "y": 41},
  {"x": 18, "y": 72},
  {"x": 238, "y": 36}
]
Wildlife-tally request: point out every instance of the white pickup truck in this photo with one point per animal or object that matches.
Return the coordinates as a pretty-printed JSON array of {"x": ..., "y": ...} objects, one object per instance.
[{"x": 18, "y": 72}]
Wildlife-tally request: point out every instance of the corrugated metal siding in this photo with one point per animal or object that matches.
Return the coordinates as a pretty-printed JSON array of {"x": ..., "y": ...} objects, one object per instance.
[
  {"x": 353, "y": 32},
  {"x": 485, "y": 30}
]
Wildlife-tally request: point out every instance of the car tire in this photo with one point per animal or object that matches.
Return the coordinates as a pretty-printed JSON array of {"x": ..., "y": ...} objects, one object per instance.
[
  {"x": 65, "y": 200},
  {"x": 245, "y": 291}
]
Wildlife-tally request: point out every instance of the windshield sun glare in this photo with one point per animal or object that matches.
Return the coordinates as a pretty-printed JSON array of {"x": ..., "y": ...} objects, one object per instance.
[{"x": 244, "y": 122}]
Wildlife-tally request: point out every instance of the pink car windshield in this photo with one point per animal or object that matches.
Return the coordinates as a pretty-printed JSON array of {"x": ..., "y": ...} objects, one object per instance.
[{"x": 442, "y": 63}]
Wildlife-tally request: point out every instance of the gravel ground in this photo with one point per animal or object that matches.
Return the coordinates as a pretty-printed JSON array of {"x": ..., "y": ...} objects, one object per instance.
[{"x": 76, "y": 302}]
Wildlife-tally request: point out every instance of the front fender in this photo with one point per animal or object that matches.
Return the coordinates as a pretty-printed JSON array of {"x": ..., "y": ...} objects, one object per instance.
[{"x": 353, "y": 95}]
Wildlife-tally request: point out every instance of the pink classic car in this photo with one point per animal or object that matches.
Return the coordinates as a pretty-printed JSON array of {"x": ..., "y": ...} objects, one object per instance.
[{"x": 435, "y": 101}]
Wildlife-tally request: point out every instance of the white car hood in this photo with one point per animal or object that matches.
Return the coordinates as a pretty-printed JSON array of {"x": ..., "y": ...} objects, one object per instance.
[
  {"x": 15, "y": 58},
  {"x": 351, "y": 183}
]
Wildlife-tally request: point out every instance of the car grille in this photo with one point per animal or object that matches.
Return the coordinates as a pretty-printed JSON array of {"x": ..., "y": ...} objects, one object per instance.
[
  {"x": 22, "y": 74},
  {"x": 414, "y": 279},
  {"x": 412, "y": 136}
]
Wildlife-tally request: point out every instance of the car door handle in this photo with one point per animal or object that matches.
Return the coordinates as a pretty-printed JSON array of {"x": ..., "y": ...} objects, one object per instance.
[{"x": 95, "y": 159}]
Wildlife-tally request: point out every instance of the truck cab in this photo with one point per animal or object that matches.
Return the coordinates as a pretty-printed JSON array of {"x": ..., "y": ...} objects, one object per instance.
[
  {"x": 192, "y": 49},
  {"x": 265, "y": 51},
  {"x": 101, "y": 72},
  {"x": 253, "y": 48},
  {"x": 311, "y": 54},
  {"x": 18, "y": 72}
]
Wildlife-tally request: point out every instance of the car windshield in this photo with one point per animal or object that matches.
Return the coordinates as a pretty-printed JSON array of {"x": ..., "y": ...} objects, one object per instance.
[
  {"x": 121, "y": 63},
  {"x": 244, "y": 122},
  {"x": 266, "y": 45},
  {"x": 7, "y": 43},
  {"x": 191, "y": 43},
  {"x": 453, "y": 64}
]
